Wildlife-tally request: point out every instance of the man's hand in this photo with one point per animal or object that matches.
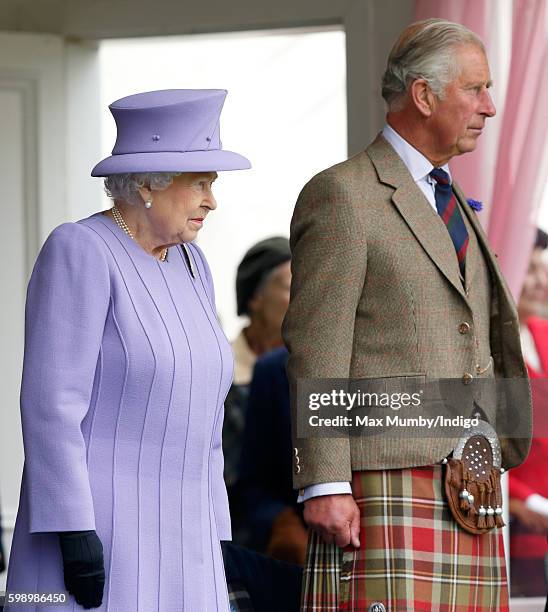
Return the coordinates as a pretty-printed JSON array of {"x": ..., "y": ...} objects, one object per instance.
[{"x": 335, "y": 517}]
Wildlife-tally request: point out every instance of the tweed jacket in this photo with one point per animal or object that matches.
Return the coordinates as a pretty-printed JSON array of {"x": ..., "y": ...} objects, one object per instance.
[{"x": 376, "y": 293}]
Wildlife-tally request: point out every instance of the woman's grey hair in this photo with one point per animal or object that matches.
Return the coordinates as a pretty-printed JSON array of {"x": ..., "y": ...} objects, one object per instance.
[
  {"x": 425, "y": 50},
  {"x": 126, "y": 186}
]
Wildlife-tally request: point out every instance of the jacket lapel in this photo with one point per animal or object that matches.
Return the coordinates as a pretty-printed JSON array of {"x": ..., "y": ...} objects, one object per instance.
[
  {"x": 425, "y": 224},
  {"x": 487, "y": 251}
]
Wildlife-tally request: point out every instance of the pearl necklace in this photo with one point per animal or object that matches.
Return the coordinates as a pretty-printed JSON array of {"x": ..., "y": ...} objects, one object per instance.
[{"x": 124, "y": 226}]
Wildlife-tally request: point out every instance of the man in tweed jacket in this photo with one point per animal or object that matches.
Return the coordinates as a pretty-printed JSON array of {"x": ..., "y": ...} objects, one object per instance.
[{"x": 377, "y": 292}]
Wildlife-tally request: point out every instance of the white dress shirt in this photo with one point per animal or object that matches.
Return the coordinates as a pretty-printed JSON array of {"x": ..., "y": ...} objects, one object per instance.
[{"x": 419, "y": 167}]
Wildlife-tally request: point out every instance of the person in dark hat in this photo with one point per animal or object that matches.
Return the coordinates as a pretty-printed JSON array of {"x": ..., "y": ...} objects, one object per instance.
[
  {"x": 263, "y": 283},
  {"x": 262, "y": 293}
]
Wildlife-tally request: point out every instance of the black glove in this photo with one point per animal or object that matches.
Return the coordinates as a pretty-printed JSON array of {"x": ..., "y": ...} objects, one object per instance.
[{"x": 83, "y": 566}]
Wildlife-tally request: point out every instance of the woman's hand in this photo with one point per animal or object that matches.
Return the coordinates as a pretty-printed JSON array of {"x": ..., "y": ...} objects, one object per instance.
[{"x": 83, "y": 566}]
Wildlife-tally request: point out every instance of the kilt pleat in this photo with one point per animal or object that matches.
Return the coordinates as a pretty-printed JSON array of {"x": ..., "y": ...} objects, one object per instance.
[
  {"x": 321, "y": 575},
  {"x": 413, "y": 555}
]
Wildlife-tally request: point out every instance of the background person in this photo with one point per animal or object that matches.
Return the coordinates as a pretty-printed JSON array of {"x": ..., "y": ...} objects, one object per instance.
[
  {"x": 528, "y": 483},
  {"x": 271, "y": 513},
  {"x": 263, "y": 280}
]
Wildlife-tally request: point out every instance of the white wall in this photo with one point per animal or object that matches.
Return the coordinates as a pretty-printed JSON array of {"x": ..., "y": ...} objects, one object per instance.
[
  {"x": 83, "y": 127},
  {"x": 36, "y": 110},
  {"x": 281, "y": 112},
  {"x": 12, "y": 252},
  {"x": 30, "y": 74}
]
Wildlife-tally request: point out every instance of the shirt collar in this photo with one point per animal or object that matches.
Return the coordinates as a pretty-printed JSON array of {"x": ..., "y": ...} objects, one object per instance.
[{"x": 418, "y": 166}]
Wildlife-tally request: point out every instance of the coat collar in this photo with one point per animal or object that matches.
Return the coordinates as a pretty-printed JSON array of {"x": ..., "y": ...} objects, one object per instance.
[
  {"x": 509, "y": 313},
  {"x": 422, "y": 220}
]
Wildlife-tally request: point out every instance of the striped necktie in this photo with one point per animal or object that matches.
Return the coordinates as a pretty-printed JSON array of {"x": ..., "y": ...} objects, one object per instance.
[{"x": 446, "y": 203}]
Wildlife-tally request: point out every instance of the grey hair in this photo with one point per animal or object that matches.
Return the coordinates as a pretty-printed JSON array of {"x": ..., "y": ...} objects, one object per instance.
[
  {"x": 126, "y": 186},
  {"x": 425, "y": 50}
]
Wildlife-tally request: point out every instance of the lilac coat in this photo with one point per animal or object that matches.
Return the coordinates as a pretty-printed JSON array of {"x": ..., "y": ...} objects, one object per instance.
[{"x": 125, "y": 373}]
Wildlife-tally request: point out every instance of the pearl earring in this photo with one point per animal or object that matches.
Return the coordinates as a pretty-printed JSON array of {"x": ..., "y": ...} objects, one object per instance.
[{"x": 148, "y": 202}]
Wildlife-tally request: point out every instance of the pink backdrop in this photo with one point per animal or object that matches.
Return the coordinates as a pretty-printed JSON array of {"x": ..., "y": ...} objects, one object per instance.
[{"x": 505, "y": 170}]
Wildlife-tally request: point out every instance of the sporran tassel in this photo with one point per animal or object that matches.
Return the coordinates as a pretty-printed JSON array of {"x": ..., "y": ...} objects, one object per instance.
[
  {"x": 472, "y": 511},
  {"x": 482, "y": 512},
  {"x": 499, "y": 521},
  {"x": 490, "y": 522},
  {"x": 464, "y": 505}
]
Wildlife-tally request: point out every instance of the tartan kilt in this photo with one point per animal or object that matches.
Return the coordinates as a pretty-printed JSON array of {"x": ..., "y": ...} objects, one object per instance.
[{"x": 413, "y": 555}]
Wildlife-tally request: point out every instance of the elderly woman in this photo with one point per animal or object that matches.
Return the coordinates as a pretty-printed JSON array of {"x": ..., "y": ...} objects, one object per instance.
[{"x": 125, "y": 374}]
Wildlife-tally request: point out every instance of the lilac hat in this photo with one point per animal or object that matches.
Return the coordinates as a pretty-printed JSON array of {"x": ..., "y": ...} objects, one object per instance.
[{"x": 174, "y": 130}]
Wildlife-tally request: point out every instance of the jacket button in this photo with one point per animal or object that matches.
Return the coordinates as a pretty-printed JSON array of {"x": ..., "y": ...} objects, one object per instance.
[
  {"x": 464, "y": 328},
  {"x": 467, "y": 378},
  {"x": 297, "y": 469}
]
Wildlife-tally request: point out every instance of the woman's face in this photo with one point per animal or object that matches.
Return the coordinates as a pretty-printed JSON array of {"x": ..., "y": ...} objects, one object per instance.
[
  {"x": 178, "y": 212},
  {"x": 270, "y": 302}
]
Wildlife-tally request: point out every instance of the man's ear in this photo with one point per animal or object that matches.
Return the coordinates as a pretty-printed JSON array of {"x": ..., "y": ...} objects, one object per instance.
[{"x": 422, "y": 97}]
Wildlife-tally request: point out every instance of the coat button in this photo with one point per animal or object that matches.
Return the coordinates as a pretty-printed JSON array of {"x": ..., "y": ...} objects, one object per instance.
[
  {"x": 467, "y": 378},
  {"x": 297, "y": 461},
  {"x": 464, "y": 328}
]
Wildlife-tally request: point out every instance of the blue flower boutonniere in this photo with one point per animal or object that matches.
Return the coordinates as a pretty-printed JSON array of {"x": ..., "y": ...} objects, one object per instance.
[{"x": 475, "y": 204}]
